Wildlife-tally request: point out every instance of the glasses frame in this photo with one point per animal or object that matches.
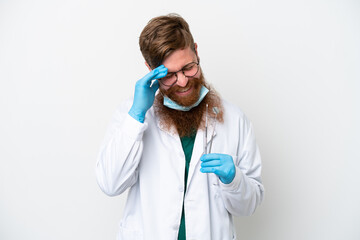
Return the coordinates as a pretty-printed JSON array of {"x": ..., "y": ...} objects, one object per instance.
[{"x": 182, "y": 70}]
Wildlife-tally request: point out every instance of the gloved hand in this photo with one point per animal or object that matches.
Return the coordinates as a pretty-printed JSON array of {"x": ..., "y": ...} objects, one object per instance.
[
  {"x": 220, "y": 164},
  {"x": 144, "y": 94}
]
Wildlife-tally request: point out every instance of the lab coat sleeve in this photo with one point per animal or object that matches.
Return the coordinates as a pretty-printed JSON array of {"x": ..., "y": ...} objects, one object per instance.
[
  {"x": 120, "y": 153},
  {"x": 242, "y": 196}
]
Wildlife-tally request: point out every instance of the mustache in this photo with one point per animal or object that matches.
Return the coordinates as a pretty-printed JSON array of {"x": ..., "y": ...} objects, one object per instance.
[
  {"x": 191, "y": 82},
  {"x": 178, "y": 88}
]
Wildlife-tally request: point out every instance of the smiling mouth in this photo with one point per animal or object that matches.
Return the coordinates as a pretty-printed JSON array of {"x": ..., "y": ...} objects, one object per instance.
[{"x": 184, "y": 91}]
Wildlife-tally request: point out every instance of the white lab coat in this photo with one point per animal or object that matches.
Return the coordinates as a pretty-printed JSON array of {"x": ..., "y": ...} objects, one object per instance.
[{"x": 151, "y": 162}]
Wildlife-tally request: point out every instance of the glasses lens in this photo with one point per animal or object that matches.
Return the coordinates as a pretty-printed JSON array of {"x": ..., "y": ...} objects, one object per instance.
[
  {"x": 191, "y": 69},
  {"x": 169, "y": 79}
]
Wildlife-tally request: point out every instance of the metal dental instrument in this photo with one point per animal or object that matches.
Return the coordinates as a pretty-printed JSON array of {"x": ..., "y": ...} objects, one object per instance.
[
  {"x": 206, "y": 126},
  {"x": 216, "y": 111}
]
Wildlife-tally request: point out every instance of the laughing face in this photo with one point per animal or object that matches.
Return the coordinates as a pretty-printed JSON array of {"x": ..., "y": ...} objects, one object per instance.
[{"x": 186, "y": 90}]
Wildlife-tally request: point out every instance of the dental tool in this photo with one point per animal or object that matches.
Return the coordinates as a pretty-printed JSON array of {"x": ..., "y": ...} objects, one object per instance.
[
  {"x": 216, "y": 111},
  {"x": 206, "y": 126}
]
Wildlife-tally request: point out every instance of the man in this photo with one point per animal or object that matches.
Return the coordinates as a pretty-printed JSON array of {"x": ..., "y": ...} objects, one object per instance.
[{"x": 188, "y": 158}]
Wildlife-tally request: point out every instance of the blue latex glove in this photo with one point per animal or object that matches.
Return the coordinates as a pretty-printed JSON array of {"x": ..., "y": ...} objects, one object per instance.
[
  {"x": 220, "y": 164},
  {"x": 144, "y": 94}
]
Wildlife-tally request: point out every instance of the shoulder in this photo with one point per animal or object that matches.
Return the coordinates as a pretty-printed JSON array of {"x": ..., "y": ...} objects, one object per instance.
[
  {"x": 234, "y": 116},
  {"x": 232, "y": 110}
]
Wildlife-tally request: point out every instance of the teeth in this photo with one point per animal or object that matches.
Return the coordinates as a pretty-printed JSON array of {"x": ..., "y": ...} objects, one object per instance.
[{"x": 184, "y": 90}]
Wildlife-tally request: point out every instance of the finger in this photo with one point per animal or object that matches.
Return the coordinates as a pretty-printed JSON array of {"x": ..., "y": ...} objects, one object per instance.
[
  {"x": 149, "y": 81},
  {"x": 158, "y": 72},
  {"x": 162, "y": 71},
  {"x": 219, "y": 172},
  {"x": 208, "y": 170},
  {"x": 214, "y": 163},
  {"x": 209, "y": 157}
]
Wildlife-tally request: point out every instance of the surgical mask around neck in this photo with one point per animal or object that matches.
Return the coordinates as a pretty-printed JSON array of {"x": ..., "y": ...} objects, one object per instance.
[{"x": 171, "y": 104}]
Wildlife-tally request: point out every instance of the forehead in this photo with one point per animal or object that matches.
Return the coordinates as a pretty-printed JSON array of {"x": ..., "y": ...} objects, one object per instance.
[{"x": 178, "y": 59}]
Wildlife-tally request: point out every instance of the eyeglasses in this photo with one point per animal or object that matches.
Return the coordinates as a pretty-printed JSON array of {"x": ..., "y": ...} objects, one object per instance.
[{"x": 189, "y": 70}]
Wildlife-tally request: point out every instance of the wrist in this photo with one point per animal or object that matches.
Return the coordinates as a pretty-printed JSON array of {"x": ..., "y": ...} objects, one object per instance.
[
  {"x": 234, "y": 184},
  {"x": 230, "y": 176},
  {"x": 227, "y": 180},
  {"x": 137, "y": 115}
]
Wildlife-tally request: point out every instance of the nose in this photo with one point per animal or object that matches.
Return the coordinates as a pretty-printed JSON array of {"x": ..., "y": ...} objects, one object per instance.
[{"x": 182, "y": 79}]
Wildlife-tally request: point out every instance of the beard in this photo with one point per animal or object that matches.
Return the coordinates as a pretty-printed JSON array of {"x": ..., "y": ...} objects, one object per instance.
[
  {"x": 187, "y": 123},
  {"x": 194, "y": 83}
]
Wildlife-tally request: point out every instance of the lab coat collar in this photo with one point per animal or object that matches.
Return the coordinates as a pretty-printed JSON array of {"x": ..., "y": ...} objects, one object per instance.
[{"x": 172, "y": 131}]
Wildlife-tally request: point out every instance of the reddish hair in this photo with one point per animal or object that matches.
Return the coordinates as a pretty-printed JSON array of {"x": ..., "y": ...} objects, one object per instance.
[{"x": 163, "y": 35}]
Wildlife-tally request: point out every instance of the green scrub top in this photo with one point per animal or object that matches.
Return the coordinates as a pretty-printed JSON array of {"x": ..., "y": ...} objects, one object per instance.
[{"x": 187, "y": 143}]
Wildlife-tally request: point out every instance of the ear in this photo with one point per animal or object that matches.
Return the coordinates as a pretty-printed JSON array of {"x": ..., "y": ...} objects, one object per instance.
[
  {"x": 148, "y": 66},
  {"x": 195, "y": 48}
]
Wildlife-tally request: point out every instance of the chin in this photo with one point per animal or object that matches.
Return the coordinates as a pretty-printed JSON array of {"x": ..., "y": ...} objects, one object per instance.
[{"x": 189, "y": 99}]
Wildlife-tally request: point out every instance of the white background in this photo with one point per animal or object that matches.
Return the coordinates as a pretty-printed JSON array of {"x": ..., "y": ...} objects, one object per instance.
[{"x": 292, "y": 66}]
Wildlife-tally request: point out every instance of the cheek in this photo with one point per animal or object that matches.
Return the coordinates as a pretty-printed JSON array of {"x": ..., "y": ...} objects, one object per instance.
[
  {"x": 164, "y": 88},
  {"x": 198, "y": 74}
]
